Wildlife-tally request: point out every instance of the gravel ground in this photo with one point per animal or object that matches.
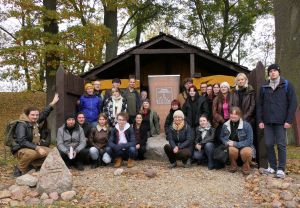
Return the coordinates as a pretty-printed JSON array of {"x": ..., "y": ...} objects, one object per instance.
[{"x": 179, "y": 187}]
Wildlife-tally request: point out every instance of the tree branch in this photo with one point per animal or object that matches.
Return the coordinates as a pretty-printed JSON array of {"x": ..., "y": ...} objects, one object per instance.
[{"x": 9, "y": 33}]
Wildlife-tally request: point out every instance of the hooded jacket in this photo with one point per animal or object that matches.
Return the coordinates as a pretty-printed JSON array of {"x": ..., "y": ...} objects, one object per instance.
[
  {"x": 90, "y": 105},
  {"x": 114, "y": 138}
]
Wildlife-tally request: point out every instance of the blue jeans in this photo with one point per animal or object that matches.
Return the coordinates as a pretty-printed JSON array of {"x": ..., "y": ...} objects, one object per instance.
[
  {"x": 206, "y": 151},
  {"x": 276, "y": 134},
  {"x": 129, "y": 152}
]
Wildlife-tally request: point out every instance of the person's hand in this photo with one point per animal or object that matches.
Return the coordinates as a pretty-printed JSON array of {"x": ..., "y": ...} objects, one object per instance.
[
  {"x": 230, "y": 143},
  {"x": 176, "y": 149},
  {"x": 261, "y": 125},
  {"x": 137, "y": 146},
  {"x": 287, "y": 125},
  {"x": 55, "y": 100},
  {"x": 41, "y": 151},
  {"x": 198, "y": 147}
]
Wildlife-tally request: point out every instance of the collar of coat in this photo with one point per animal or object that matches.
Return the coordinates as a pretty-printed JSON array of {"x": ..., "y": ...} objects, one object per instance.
[{"x": 227, "y": 124}]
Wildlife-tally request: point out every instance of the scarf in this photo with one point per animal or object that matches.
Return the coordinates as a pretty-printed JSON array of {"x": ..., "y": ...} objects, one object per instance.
[
  {"x": 117, "y": 105},
  {"x": 99, "y": 128},
  {"x": 178, "y": 127},
  {"x": 204, "y": 130},
  {"x": 274, "y": 83}
]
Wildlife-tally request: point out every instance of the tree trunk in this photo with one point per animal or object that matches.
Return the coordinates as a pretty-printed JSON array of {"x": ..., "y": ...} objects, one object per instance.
[
  {"x": 51, "y": 60},
  {"x": 138, "y": 34},
  {"x": 287, "y": 33},
  {"x": 111, "y": 22}
]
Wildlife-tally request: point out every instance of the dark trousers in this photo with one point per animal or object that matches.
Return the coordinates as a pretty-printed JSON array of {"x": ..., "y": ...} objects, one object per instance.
[
  {"x": 207, "y": 150},
  {"x": 182, "y": 154},
  {"x": 77, "y": 161},
  {"x": 276, "y": 134},
  {"x": 126, "y": 153},
  {"x": 141, "y": 152}
]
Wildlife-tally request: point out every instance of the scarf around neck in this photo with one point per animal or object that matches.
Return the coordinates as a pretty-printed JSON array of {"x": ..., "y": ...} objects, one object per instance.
[{"x": 178, "y": 127}]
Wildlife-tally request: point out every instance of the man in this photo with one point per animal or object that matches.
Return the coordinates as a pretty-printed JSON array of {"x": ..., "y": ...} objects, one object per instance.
[
  {"x": 203, "y": 89},
  {"x": 133, "y": 100},
  {"x": 121, "y": 144},
  {"x": 116, "y": 82},
  {"x": 83, "y": 124},
  {"x": 71, "y": 143},
  {"x": 27, "y": 147},
  {"x": 275, "y": 113},
  {"x": 97, "y": 90}
]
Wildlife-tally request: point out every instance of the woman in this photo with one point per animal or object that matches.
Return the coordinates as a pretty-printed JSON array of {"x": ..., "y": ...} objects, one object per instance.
[
  {"x": 221, "y": 107},
  {"x": 98, "y": 140},
  {"x": 175, "y": 105},
  {"x": 187, "y": 82},
  {"x": 237, "y": 134},
  {"x": 216, "y": 89},
  {"x": 180, "y": 141},
  {"x": 140, "y": 131},
  {"x": 243, "y": 96},
  {"x": 90, "y": 104},
  {"x": 204, "y": 141},
  {"x": 194, "y": 107},
  {"x": 150, "y": 119},
  {"x": 114, "y": 105},
  {"x": 210, "y": 97}
]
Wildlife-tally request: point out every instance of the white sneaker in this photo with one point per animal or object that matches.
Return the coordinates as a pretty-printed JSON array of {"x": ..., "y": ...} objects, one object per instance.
[
  {"x": 268, "y": 171},
  {"x": 280, "y": 174}
]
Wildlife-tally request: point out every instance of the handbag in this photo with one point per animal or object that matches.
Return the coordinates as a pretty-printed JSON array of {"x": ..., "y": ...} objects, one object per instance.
[{"x": 221, "y": 153}]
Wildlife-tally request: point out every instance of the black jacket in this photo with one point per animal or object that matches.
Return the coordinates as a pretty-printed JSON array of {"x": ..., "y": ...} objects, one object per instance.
[
  {"x": 209, "y": 137},
  {"x": 277, "y": 106},
  {"x": 182, "y": 138},
  {"x": 23, "y": 132},
  {"x": 114, "y": 139}
]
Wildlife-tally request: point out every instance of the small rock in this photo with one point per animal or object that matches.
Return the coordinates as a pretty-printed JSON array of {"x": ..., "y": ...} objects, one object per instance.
[
  {"x": 276, "y": 204},
  {"x": 285, "y": 185},
  {"x": 33, "y": 194},
  {"x": 48, "y": 202},
  {"x": 14, "y": 203},
  {"x": 150, "y": 173},
  {"x": 33, "y": 201},
  {"x": 44, "y": 196},
  {"x": 291, "y": 204},
  {"x": 27, "y": 180},
  {"x": 274, "y": 184},
  {"x": 118, "y": 172},
  {"x": 132, "y": 171},
  {"x": 286, "y": 195},
  {"x": 54, "y": 196},
  {"x": 68, "y": 195},
  {"x": 5, "y": 194}
]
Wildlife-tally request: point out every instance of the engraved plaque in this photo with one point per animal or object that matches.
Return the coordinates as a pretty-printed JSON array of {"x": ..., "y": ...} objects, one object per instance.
[{"x": 164, "y": 95}]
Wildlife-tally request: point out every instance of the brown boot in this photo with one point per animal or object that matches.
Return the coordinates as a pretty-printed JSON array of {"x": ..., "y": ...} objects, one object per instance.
[
  {"x": 130, "y": 163},
  {"x": 233, "y": 166},
  {"x": 118, "y": 162},
  {"x": 246, "y": 168}
]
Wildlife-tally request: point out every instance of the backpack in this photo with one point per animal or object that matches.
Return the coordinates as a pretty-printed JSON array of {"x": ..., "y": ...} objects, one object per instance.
[{"x": 9, "y": 140}]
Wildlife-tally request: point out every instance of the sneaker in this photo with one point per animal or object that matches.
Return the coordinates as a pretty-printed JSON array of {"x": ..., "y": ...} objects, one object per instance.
[
  {"x": 280, "y": 174},
  {"x": 268, "y": 170}
]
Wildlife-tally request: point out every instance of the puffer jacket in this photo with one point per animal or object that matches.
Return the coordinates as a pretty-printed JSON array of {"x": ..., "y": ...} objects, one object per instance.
[
  {"x": 181, "y": 138},
  {"x": 248, "y": 103},
  {"x": 90, "y": 105},
  {"x": 24, "y": 131},
  {"x": 65, "y": 140}
]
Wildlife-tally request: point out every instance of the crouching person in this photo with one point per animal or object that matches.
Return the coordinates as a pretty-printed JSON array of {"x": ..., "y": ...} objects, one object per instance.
[
  {"x": 238, "y": 136},
  {"x": 180, "y": 141},
  {"x": 204, "y": 142},
  {"x": 28, "y": 145},
  {"x": 71, "y": 143},
  {"x": 98, "y": 140},
  {"x": 121, "y": 144}
]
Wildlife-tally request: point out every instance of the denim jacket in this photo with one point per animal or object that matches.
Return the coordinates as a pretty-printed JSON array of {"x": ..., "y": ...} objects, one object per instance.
[{"x": 244, "y": 133}]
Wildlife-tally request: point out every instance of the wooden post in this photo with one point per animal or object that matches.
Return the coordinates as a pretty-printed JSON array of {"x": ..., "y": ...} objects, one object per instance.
[
  {"x": 192, "y": 64},
  {"x": 137, "y": 67}
]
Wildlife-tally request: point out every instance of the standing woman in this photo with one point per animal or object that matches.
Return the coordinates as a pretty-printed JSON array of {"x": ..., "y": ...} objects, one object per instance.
[
  {"x": 187, "y": 82},
  {"x": 140, "y": 131},
  {"x": 216, "y": 89},
  {"x": 98, "y": 140},
  {"x": 114, "y": 105},
  {"x": 221, "y": 107},
  {"x": 90, "y": 104},
  {"x": 175, "y": 105},
  {"x": 150, "y": 118}
]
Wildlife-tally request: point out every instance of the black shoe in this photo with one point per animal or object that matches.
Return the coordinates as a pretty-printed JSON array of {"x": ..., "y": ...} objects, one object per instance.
[
  {"x": 16, "y": 172},
  {"x": 188, "y": 163}
]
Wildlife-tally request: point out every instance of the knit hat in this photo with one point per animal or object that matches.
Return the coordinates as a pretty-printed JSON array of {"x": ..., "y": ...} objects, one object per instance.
[
  {"x": 225, "y": 84},
  {"x": 70, "y": 116},
  {"x": 273, "y": 66},
  {"x": 88, "y": 85},
  {"x": 178, "y": 113}
]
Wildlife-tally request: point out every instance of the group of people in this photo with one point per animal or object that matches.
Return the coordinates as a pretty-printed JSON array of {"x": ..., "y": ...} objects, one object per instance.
[{"x": 114, "y": 126}]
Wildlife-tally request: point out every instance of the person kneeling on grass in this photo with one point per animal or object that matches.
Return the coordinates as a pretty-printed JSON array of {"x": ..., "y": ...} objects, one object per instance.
[
  {"x": 121, "y": 144},
  {"x": 237, "y": 134},
  {"x": 180, "y": 141},
  {"x": 71, "y": 143}
]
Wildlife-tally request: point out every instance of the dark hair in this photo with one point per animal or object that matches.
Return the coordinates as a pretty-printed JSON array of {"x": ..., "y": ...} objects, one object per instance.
[
  {"x": 80, "y": 113},
  {"x": 204, "y": 116},
  {"x": 175, "y": 102},
  {"x": 116, "y": 80},
  {"x": 116, "y": 89},
  {"x": 209, "y": 85},
  {"x": 216, "y": 84},
  {"x": 139, "y": 114},
  {"x": 29, "y": 109},
  {"x": 236, "y": 110},
  {"x": 123, "y": 114},
  {"x": 187, "y": 80},
  {"x": 203, "y": 83}
]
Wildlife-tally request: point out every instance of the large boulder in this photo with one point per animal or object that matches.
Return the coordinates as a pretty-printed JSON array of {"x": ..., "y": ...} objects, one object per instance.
[
  {"x": 155, "y": 148},
  {"x": 54, "y": 175}
]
